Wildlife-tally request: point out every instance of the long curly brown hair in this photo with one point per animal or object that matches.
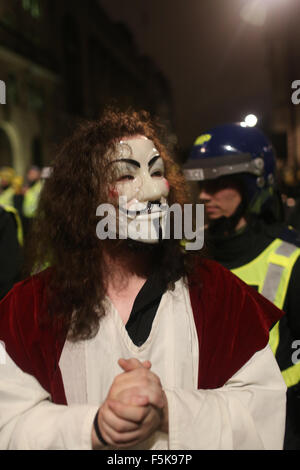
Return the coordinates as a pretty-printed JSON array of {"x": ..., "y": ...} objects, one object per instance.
[{"x": 63, "y": 233}]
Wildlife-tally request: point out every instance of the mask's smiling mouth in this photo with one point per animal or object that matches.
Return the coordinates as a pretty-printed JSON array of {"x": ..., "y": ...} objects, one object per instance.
[{"x": 147, "y": 208}]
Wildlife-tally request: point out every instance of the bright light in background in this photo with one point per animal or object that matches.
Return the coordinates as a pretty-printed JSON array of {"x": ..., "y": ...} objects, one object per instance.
[
  {"x": 229, "y": 148},
  {"x": 255, "y": 12},
  {"x": 249, "y": 121}
]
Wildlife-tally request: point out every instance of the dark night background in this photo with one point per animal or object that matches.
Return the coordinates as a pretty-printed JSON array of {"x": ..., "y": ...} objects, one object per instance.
[
  {"x": 217, "y": 65},
  {"x": 194, "y": 63}
]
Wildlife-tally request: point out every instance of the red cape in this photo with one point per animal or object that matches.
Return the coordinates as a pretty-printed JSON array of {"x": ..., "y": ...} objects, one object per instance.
[{"x": 231, "y": 318}]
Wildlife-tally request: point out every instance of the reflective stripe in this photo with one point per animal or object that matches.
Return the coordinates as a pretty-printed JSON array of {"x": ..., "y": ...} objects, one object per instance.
[
  {"x": 280, "y": 264},
  {"x": 286, "y": 249},
  {"x": 272, "y": 281}
]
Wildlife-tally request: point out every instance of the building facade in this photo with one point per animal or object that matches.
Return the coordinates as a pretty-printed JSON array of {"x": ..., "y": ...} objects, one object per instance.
[
  {"x": 283, "y": 36},
  {"x": 62, "y": 61}
]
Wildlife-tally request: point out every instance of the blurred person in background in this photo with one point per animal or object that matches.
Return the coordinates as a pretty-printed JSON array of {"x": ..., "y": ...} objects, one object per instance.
[
  {"x": 11, "y": 233},
  {"x": 293, "y": 203},
  {"x": 11, "y": 256},
  {"x": 6, "y": 193},
  {"x": 33, "y": 186},
  {"x": 235, "y": 170},
  {"x": 32, "y": 189},
  {"x": 18, "y": 194}
]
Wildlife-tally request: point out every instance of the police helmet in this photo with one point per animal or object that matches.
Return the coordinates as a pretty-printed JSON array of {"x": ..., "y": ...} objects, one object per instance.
[{"x": 232, "y": 149}]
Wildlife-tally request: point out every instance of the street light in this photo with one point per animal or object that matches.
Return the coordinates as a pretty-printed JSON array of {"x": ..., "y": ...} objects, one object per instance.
[
  {"x": 251, "y": 120},
  {"x": 255, "y": 12}
]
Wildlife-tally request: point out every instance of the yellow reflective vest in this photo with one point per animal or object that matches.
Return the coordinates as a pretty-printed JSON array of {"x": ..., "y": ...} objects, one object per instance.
[
  {"x": 6, "y": 197},
  {"x": 31, "y": 199},
  {"x": 15, "y": 213},
  {"x": 271, "y": 272}
]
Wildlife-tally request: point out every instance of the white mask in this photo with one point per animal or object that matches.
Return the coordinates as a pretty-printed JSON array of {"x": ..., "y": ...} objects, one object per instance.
[{"x": 140, "y": 182}]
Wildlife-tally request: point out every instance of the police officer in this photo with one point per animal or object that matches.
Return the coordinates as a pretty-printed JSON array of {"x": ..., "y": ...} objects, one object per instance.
[
  {"x": 11, "y": 242},
  {"x": 6, "y": 190},
  {"x": 32, "y": 192},
  {"x": 235, "y": 168}
]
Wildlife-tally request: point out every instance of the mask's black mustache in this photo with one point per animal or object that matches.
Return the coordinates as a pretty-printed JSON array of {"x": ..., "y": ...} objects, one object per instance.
[
  {"x": 147, "y": 210},
  {"x": 151, "y": 204}
]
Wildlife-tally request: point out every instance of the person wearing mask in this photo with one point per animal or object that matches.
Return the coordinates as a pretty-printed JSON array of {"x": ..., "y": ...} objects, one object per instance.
[{"x": 127, "y": 341}]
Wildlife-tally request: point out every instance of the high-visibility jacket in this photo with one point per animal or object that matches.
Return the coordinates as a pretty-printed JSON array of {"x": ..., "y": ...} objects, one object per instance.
[
  {"x": 15, "y": 213},
  {"x": 6, "y": 197},
  {"x": 31, "y": 199},
  {"x": 270, "y": 273}
]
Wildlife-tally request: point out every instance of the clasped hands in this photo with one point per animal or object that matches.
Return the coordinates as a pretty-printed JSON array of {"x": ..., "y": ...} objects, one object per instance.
[{"x": 135, "y": 407}]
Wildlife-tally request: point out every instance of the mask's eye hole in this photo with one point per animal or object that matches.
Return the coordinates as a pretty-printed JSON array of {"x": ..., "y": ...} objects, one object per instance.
[
  {"x": 125, "y": 178},
  {"x": 157, "y": 173}
]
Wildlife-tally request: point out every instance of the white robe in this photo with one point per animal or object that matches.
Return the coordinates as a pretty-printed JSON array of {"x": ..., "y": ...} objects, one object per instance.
[{"x": 248, "y": 412}]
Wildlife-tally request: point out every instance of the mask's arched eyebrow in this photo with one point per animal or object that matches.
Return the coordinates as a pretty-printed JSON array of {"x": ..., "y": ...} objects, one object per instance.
[
  {"x": 153, "y": 160},
  {"x": 127, "y": 160}
]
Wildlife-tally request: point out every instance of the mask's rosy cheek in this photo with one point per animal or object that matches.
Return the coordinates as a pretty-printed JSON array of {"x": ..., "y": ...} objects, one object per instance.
[
  {"x": 113, "y": 193},
  {"x": 167, "y": 186}
]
